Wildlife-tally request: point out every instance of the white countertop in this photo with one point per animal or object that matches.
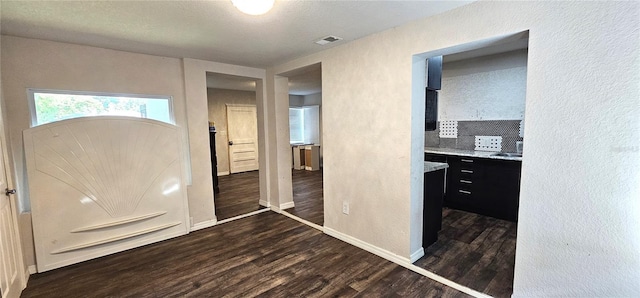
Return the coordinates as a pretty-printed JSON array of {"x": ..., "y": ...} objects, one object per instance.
[
  {"x": 430, "y": 166},
  {"x": 469, "y": 153}
]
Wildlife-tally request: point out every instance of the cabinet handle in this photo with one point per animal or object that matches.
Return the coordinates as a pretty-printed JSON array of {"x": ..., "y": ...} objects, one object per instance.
[
  {"x": 466, "y": 181},
  {"x": 466, "y": 160},
  {"x": 464, "y": 192},
  {"x": 467, "y": 171}
]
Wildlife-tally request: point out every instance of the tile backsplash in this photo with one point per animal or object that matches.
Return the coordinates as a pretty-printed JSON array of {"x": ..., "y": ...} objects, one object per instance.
[{"x": 509, "y": 130}]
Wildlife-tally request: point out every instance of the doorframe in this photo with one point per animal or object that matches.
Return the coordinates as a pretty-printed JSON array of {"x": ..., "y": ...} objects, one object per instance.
[
  {"x": 201, "y": 186},
  {"x": 281, "y": 98},
  {"x": 23, "y": 273}
]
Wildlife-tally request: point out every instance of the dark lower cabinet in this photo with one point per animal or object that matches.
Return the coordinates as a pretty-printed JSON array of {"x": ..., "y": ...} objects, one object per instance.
[
  {"x": 484, "y": 186},
  {"x": 432, "y": 210}
]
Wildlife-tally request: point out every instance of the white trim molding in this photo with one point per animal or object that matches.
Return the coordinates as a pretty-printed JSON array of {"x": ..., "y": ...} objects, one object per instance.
[
  {"x": 287, "y": 205},
  {"x": 402, "y": 261},
  {"x": 244, "y": 215},
  {"x": 275, "y": 209},
  {"x": 204, "y": 224},
  {"x": 304, "y": 221},
  {"x": 32, "y": 269},
  {"x": 223, "y": 173},
  {"x": 366, "y": 246},
  {"x": 416, "y": 255},
  {"x": 264, "y": 203}
]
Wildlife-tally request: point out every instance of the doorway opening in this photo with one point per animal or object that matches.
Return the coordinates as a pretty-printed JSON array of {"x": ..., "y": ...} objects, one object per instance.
[
  {"x": 305, "y": 139},
  {"x": 478, "y": 136},
  {"x": 233, "y": 133}
]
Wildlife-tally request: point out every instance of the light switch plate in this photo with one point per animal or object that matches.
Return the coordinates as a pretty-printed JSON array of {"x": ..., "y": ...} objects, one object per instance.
[
  {"x": 489, "y": 143},
  {"x": 449, "y": 129}
]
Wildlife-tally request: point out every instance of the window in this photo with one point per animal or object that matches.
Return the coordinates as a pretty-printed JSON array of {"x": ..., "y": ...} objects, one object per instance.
[
  {"x": 296, "y": 125},
  {"x": 304, "y": 123},
  {"x": 54, "y": 105}
]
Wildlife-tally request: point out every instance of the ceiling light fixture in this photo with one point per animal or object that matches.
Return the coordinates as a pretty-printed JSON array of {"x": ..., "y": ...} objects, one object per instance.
[{"x": 253, "y": 7}]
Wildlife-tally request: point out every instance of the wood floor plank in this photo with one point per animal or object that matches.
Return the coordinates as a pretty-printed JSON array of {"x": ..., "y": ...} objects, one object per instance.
[
  {"x": 265, "y": 255},
  {"x": 308, "y": 196},
  {"x": 239, "y": 194},
  {"x": 475, "y": 251},
  {"x": 268, "y": 255}
]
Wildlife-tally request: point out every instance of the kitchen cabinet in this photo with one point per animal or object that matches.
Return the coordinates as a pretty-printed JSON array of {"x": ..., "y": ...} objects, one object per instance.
[
  {"x": 433, "y": 188},
  {"x": 434, "y": 73},
  {"x": 434, "y": 83},
  {"x": 298, "y": 157},
  {"x": 312, "y": 157},
  {"x": 481, "y": 185},
  {"x": 431, "y": 110}
]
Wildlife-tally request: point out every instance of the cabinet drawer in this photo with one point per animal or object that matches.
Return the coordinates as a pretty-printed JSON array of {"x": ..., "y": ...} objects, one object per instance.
[
  {"x": 464, "y": 186},
  {"x": 483, "y": 186},
  {"x": 435, "y": 157},
  {"x": 465, "y": 167},
  {"x": 463, "y": 199}
]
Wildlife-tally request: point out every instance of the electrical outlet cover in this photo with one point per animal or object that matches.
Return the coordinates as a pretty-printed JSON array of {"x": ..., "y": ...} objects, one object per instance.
[{"x": 489, "y": 143}]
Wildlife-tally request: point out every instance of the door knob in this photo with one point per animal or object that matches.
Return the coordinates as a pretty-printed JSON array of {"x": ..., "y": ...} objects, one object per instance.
[
  {"x": 9, "y": 192},
  {"x": 230, "y": 143}
]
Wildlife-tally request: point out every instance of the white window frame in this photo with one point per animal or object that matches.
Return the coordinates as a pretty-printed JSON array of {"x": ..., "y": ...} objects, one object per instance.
[{"x": 34, "y": 115}]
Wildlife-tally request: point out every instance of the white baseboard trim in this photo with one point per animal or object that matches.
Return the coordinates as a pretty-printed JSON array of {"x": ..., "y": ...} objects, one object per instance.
[
  {"x": 31, "y": 269},
  {"x": 304, "y": 221},
  {"x": 204, "y": 224},
  {"x": 264, "y": 203},
  {"x": 402, "y": 261},
  {"x": 366, "y": 246},
  {"x": 445, "y": 281},
  {"x": 223, "y": 173},
  {"x": 243, "y": 215},
  {"x": 416, "y": 255},
  {"x": 287, "y": 205}
]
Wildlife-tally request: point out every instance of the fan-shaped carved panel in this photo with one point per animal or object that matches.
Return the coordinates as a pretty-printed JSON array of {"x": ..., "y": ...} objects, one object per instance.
[{"x": 121, "y": 176}]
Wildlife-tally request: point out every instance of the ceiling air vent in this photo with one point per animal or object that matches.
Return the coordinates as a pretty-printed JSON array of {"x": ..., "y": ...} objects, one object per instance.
[{"x": 328, "y": 39}]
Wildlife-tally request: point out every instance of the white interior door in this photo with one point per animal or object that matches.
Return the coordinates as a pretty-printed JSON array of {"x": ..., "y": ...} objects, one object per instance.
[
  {"x": 108, "y": 183},
  {"x": 242, "y": 126},
  {"x": 11, "y": 266}
]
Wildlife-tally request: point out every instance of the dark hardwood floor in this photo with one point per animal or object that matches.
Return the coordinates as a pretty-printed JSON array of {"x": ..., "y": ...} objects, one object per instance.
[
  {"x": 239, "y": 194},
  {"x": 307, "y": 196},
  {"x": 265, "y": 255},
  {"x": 475, "y": 251}
]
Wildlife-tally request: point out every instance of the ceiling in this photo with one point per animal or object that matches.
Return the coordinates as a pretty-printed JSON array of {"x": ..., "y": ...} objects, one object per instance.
[
  {"x": 304, "y": 81},
  {"x": 210, "y": 30},
  {"x": 522, "y": 42}
]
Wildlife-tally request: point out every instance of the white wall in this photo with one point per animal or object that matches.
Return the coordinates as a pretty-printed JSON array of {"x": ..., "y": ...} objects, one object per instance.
[
  {"x": 296, "y": 100},
  {"x": 313, "y": 99},
  {"x": 484, "y": 88},
  {"x": 579, "y": 207}
]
